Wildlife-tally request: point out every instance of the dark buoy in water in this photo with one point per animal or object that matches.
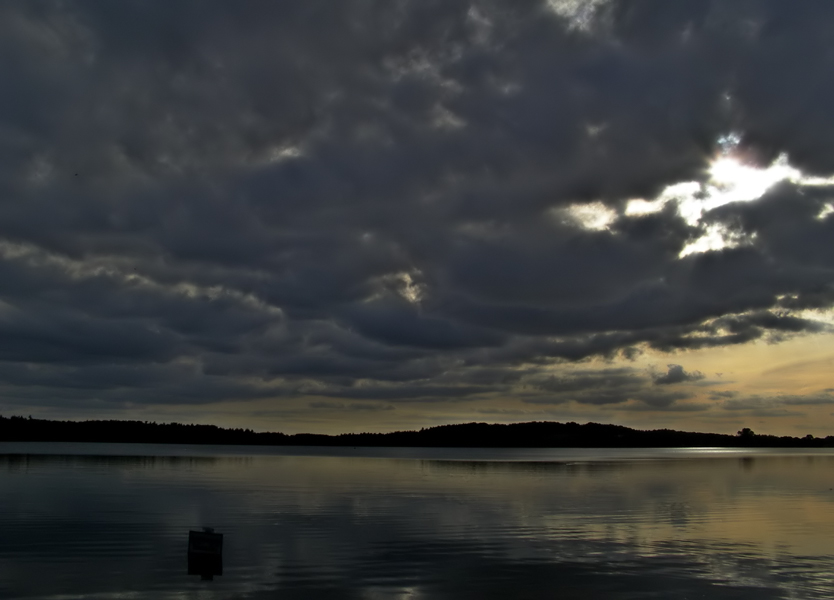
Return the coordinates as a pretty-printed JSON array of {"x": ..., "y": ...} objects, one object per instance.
[{"x": 205, "y": 553}]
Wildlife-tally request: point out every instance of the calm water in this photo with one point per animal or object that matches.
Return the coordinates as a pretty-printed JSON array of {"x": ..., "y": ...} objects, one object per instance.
[{"x": 111, "y": 521}]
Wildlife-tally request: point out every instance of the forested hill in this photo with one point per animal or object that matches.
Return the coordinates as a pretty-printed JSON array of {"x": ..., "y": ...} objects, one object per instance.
[{"x": 476, "y": 435}]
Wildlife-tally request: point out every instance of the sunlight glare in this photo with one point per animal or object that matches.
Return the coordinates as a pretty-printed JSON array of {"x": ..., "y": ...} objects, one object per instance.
[
  {"x": 733, "y": 181},
  {"x": 730, "y": 179}
]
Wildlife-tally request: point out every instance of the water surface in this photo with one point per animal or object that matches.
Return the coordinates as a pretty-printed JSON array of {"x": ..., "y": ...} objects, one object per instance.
[{"x": 111, "y": 521}]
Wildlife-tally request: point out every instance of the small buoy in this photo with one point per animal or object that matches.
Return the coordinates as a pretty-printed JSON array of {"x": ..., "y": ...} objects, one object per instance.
[{"x": 205, "y": 553}]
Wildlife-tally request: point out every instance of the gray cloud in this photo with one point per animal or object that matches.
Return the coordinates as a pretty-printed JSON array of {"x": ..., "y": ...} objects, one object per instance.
[
  {"x": 671, "y": 407},
  {"x": 768, "y": 406},
  {"x": 204, "y": 202},
  {"x": 677, "y": 374},
  {"x": 606, "y": 387},
  {"x": 722, "y": 394},
  {"x": 354, "y": 406}
]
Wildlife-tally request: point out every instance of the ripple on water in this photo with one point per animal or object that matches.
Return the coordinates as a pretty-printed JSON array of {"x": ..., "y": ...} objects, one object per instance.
[{"x": 717, "y": 525}]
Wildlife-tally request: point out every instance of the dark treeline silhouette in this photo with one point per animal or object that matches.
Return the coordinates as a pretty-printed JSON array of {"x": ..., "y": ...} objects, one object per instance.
[{"x": 540, "y": 434}]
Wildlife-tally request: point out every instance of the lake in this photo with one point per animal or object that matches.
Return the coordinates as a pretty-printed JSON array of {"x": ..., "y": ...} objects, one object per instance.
[{"x": 111, "y": 521}]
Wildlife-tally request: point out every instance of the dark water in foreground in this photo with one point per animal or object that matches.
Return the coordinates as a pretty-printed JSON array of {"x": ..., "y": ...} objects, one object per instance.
[{"x": 413, "y": 523}]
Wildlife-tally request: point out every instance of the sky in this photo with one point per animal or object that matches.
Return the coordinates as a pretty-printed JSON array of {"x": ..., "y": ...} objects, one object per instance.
[{"x": 374, "y": 215}]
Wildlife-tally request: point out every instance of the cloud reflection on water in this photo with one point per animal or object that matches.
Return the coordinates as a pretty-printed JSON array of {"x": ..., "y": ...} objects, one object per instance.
[{"x": 346, "y": 527}]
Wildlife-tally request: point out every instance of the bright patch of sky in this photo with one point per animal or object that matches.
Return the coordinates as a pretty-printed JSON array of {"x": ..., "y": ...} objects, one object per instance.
[
  {"x": 826, "y": 210},
  {"x": 579, "y": 13},
  {"x": 404, "y": 284},
  {"x": 730, "y": 179},
  {"x": 594, "y": 216}
]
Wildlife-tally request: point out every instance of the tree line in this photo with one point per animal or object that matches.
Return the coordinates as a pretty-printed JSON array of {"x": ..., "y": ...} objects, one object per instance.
[{"x": 537, "y": 434}]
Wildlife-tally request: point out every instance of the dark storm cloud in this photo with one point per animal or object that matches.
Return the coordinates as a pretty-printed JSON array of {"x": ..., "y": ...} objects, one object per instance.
[
  {"x": 790, "y": 234},
  {"x": 206, "y": 201}
]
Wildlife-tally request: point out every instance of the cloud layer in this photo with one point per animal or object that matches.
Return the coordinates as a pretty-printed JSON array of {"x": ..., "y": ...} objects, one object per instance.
[{"x": 381, "y": 201}]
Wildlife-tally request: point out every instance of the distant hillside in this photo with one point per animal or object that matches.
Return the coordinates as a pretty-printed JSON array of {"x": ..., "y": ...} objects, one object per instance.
[{"x": 475, "y": 435}]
